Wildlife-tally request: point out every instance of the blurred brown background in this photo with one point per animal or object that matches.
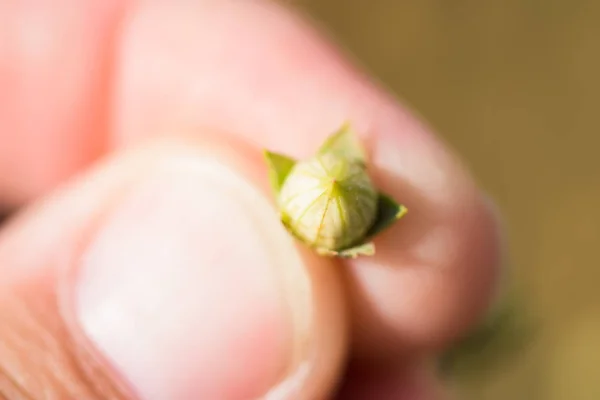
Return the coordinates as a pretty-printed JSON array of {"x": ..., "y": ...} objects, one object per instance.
[{"x": 514, "y": 86}]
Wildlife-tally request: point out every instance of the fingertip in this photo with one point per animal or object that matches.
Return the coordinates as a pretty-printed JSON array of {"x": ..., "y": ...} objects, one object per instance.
[
  {"x": 163, "y": 282},
  {"x": 205, "y": 249},
  {"x": 436, "y": 270}
]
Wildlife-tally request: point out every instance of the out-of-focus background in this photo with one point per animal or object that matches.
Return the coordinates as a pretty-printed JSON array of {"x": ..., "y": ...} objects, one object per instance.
[{"x": 514, "y": 86}]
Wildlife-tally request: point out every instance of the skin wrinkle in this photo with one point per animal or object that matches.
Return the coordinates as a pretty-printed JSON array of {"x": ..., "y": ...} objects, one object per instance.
[
  {"x": 36, "y": 343},
  {"x": 9, "y": 385}
]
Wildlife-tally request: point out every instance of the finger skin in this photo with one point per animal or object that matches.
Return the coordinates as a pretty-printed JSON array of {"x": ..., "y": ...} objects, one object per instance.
[
  {"x": 255, "y": 69},
  {"x": 55, "y": 72},
  {"x": 46, "y": 277}
]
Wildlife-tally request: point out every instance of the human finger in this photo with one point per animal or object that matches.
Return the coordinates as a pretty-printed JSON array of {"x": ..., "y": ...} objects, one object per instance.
[
  {"x": 55, "y": 74},
  {"x": 164, "y": 273}
]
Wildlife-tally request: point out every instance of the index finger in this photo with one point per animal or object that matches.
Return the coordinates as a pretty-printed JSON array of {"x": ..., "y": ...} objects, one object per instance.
[{"x": 255, "y": 69}]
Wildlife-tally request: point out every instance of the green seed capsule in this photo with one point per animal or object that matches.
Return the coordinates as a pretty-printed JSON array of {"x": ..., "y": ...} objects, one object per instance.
[{"x": 328, "y": 201}]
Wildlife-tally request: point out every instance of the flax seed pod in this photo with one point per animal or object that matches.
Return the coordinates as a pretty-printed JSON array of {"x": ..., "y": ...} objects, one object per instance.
[{"x": 328, "y": 201}]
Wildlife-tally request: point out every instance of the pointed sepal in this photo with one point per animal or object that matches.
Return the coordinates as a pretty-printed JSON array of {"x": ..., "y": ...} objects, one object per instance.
[
  {"x": 365, "y": 249},
  {"x": 388, "y": 212},
  {"x": 345, "y": 142},
  {"x": 279, "y": 166},
  {"x": 326, "y": 252}
]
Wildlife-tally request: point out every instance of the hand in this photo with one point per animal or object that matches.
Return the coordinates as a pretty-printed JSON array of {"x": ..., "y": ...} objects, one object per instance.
[{"x": 159, "y": 270}]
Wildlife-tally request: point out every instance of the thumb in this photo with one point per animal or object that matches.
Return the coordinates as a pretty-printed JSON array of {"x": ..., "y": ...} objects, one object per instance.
[{"x": 165, "y": 274}]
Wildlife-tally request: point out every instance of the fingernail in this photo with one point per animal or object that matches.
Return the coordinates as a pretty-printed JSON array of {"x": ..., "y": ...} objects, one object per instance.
[{"x": 181, "y": 289}]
